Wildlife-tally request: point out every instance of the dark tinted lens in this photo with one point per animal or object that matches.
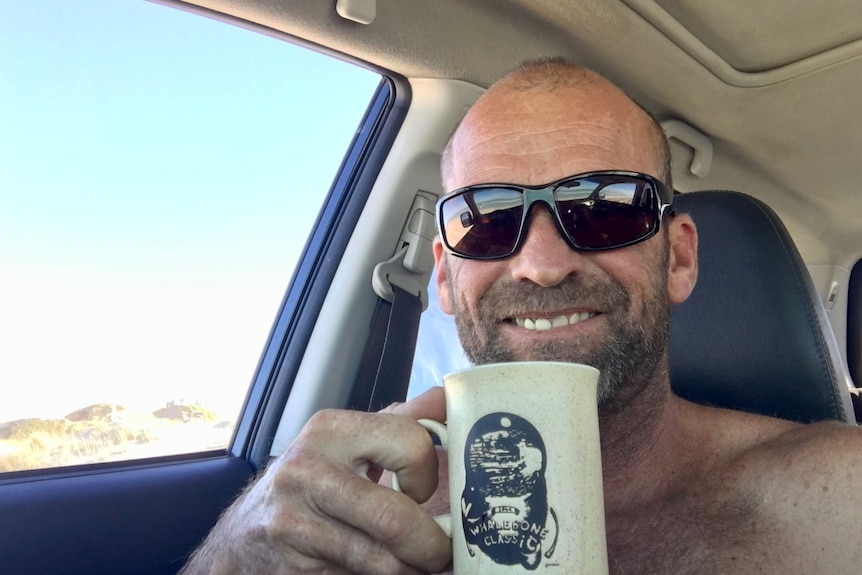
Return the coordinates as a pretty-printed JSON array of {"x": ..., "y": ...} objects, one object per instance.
[
  {"x": 605, "y": 212},
  {"x": 482, "y": 223}
]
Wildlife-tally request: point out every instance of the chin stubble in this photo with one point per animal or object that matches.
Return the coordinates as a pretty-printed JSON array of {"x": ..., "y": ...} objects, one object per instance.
[{"x": 628, "y": 360}]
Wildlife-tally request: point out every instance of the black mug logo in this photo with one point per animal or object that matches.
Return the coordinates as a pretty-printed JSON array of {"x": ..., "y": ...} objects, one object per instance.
[{"x": 504, "y": 506}]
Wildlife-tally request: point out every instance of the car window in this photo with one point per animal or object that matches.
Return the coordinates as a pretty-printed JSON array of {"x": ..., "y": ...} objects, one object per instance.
[
  {"x": 159, "y": 175},
  {"x": 438, "y": 351}
]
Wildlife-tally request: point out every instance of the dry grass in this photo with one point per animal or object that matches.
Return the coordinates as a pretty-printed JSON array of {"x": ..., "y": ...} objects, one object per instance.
[{"x": 104, "y": 432}]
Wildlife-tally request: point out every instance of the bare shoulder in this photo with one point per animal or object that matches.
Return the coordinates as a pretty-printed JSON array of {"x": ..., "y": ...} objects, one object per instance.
[
  {"x": 777, "y": 456},
  {"x": 829, "y": 452},
  {"x": 803, "y": 484},
  {"x": 768, "y": 446},
  {"x": 748, "y": 494},
  {"x": 788, "y": 491}
]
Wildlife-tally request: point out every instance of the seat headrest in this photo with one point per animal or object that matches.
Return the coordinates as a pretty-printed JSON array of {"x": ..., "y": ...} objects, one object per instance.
[{"x": 754, "y": 335}]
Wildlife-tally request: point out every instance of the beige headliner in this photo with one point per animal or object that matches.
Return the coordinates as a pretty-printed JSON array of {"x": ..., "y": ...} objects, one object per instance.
[{"x": 775, "y": 84}]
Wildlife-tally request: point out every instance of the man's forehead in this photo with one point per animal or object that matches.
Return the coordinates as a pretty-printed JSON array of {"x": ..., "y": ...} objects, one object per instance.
[{"x": 536, "y": 137}]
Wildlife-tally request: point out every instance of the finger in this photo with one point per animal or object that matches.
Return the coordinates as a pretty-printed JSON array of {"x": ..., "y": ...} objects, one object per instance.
[
  {"x": 402, "y": 528},
  {"x": 346, "y": 441},
  {"x": 392, "y": 407},
  {"x": 362, "y": 441},
  {"x": 318, "y": 542},
  {"x": 437, "y": 504},
  {"x": 353, "y": 522},
  {"x": 358, "y": 554},
  {"x": 429, "y": 405}
]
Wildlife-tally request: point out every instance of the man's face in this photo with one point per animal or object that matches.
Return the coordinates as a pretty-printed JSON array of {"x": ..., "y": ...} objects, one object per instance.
[
  {"x": 597, "y": 318},
  {"x": 548, "y": 302}
]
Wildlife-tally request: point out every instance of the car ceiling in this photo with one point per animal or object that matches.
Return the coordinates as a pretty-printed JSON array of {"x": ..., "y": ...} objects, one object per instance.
[{"x": 774, "y": 84}]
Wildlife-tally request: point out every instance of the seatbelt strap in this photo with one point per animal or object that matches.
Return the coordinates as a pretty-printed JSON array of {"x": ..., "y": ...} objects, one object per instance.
[
  {"x": 402, "y": 284},
  {"x": 384, "y": 373}
]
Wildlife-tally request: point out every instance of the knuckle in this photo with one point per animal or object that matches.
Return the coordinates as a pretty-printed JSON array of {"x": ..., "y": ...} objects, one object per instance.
[
  {"x": 331, "y": 427},
  {"x": 412, "y": 441},
  {"x": 362, "y": 558},
  {"x": 297, "y": 468},
  {"x": 392, "y": 523},
  {"x": 324, "y": 421}
]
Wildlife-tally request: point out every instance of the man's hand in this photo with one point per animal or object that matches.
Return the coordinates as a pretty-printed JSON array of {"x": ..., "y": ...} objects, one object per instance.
[{"x": 318, "y": 508}]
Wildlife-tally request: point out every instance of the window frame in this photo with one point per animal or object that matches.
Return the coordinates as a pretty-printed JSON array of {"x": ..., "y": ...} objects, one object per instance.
[
  {"x": 155, "y": 511},
  {"x": 285, "y": 348}
]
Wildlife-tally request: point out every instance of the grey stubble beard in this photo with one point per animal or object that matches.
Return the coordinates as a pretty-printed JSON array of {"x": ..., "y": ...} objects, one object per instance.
[{"x": 633, "y": 356}]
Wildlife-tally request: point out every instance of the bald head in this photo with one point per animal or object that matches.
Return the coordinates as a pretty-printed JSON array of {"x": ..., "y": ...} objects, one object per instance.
[
  {"x": 548, "y": 74},
  {"x": 557, "y": 100}
]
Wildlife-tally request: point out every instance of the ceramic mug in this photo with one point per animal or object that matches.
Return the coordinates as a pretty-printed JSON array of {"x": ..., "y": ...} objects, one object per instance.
[{"x": 525, "y": 474}]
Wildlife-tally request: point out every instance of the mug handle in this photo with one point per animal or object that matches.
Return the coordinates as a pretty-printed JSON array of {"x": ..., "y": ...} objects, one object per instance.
[{"x": 438, "y": 429}]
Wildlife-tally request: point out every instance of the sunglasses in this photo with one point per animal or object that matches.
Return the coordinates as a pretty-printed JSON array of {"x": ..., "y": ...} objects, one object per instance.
[{"x": 593, "y": 211}]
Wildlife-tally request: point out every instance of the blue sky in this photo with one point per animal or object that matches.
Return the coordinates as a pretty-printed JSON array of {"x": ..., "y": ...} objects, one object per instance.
[
  {"x": 101, "y": 94},
  {"x": 159, "y": 173}
]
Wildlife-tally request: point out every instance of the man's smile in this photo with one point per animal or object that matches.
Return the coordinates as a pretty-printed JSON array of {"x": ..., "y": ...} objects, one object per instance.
[{"x": 546, "y": 323}]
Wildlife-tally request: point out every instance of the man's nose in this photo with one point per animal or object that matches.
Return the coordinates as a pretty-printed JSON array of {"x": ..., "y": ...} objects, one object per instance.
[{"x": 544, "y": 257}]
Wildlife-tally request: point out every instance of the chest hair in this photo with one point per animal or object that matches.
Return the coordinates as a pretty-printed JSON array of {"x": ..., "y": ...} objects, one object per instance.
[{"x": 691, "y": 532}]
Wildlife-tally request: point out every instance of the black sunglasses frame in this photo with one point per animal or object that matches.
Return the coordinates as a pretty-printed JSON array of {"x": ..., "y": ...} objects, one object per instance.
[{"x": 546, "y": 195}]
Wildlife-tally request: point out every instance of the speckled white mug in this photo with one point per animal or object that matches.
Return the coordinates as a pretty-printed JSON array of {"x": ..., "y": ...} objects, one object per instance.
[{"x": 525, "y": 475}]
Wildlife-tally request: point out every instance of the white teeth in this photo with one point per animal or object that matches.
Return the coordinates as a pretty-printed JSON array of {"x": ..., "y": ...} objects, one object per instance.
[{"x": 543, "y": 324}]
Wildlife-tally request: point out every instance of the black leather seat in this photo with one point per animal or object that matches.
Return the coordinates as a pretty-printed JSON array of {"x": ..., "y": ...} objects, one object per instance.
[{"x": 754, "y": 335}]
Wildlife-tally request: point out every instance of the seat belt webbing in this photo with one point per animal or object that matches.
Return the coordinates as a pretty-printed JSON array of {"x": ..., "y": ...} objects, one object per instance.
[{"x": 384, "y": 372}]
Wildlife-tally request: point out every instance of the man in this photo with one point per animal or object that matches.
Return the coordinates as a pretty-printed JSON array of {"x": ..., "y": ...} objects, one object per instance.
[{"x": 688, "y": 489}]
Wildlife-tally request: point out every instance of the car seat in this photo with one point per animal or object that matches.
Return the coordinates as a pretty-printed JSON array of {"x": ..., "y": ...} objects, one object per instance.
[{"x": 754, "y": 335}]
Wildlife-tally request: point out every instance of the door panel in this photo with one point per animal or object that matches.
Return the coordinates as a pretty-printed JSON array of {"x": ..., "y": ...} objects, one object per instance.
[{"x": 122, "y": 521}]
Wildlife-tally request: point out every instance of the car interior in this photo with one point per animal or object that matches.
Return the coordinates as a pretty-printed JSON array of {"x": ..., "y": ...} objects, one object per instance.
[{"x": 760, "y": 102}]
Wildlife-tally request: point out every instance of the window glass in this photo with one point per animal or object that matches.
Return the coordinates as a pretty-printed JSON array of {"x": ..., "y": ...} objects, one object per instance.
[
  {"x": 159, "y": 175},
  {"x": 438, "y": 350}
]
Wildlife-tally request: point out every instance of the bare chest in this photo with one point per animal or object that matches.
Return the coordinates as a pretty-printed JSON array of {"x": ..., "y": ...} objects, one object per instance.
[{"x": 695, "y": 533}]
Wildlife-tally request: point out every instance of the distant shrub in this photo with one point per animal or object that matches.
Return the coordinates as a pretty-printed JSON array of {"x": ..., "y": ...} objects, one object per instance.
[
  {"x": 22, "y": 429},
  {"x": 179, "y": 412},
  {"x": 105, "y": 432}
]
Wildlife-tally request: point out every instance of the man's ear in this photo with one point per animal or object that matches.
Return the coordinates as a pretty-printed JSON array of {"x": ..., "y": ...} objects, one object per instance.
[
  {"x": 442, "y": 276},
  {"x": 682, "y": 259}
]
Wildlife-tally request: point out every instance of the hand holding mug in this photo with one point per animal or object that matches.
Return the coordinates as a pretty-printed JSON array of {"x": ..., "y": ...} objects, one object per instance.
[{"x": 524, "y": 469}]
